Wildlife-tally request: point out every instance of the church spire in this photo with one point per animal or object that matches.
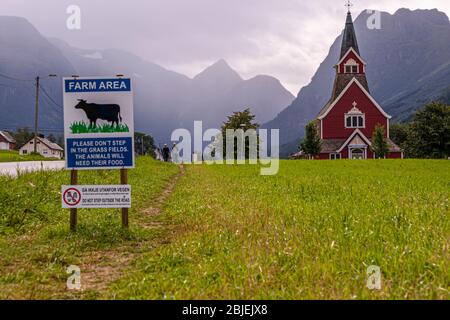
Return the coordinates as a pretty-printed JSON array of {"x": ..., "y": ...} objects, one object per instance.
[{"x": 349, "y": 36}]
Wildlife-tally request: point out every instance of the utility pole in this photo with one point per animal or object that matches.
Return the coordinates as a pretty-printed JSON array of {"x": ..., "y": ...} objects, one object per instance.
[{"x": 36, "y": 114}]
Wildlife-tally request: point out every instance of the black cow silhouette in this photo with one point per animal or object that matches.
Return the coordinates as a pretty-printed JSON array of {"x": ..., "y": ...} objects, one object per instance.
[{"x": 94, "y": 111}]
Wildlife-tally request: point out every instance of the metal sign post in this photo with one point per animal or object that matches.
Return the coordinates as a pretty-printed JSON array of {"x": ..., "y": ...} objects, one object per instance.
[
  {"x": 124, "y": 180},
  {"x": 73, "y": 211}
]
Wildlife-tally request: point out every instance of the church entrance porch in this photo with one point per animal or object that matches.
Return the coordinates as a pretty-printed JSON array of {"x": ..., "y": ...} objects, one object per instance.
[{"x": 358, "y": 153}]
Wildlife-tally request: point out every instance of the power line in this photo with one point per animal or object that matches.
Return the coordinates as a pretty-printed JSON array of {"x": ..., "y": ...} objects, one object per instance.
[
  {"x": 15, "y": 128},
  {"x": 50, "y": 98},
  {"x": 12, "y": 87},
  {"x": 15, "y": 79}
]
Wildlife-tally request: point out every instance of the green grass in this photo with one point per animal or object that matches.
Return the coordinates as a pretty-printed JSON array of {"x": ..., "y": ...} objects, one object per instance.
[
  {"x": 308, "y": 233},
  {"x": 36, "y": 246},
  {"x": 228, "y": 233},
  {"x": 82, "y": 127},
  {"x": 14, "y": 156}
]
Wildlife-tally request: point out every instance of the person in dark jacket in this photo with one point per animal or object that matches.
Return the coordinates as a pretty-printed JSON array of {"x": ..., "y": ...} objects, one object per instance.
[{"x": 166, "y": 153}]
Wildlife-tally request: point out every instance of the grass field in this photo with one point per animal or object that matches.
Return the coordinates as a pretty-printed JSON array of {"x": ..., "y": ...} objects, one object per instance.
[
  {"x": 35, "y": 244},
  {"x": 82, "y": 127},
  {"x": 14, "y": 156},
  {"x": 228, "y": 233}
]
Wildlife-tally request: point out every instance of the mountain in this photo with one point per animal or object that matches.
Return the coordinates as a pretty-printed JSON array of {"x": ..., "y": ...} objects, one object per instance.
[
  {"x": 164, "y": 100},
  {"x": 218, "y": 91},
  {"x": 24, "y": 54},
  {"x": 408, "y": 65},
  {"x": 158, "y": 92}
]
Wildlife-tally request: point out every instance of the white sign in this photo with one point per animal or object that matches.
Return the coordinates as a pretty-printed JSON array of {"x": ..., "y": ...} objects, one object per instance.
[
  {"x": 90, "y": 197},
  {"x": 98, "y": 123}
]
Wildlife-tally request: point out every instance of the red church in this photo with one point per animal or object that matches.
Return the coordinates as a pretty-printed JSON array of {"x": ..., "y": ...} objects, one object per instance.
[{"x": 348, "y": 120}]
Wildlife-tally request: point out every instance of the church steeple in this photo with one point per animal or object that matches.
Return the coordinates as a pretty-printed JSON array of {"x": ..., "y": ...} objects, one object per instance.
[
  {"x": 350, "y": 64},
  {"x": 349, "y": 37}
]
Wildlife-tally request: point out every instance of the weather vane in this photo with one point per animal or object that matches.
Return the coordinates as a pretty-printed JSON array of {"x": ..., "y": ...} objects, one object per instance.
[{"x": 349, "y": 5}]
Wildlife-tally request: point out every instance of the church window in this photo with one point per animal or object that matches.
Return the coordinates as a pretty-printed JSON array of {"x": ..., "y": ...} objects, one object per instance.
[
  {"x": 351, "y": 66},
  {"x": 354, "y": 121},
  {"x": 355, "y": 118}
]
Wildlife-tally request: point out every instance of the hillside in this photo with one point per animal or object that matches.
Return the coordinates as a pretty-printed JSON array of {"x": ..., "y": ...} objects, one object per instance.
[
  {"x": 166, "y": 100},
  {"x": 25, "y": 54}
]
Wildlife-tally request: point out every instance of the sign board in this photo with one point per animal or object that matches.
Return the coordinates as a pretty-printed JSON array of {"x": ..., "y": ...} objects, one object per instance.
[
  {"x": 90, "y": 197},
  {"x": 98, "y": 123}
]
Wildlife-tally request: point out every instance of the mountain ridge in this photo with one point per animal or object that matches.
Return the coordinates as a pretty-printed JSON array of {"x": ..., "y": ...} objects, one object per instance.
[{"x": 164, "y": 99}]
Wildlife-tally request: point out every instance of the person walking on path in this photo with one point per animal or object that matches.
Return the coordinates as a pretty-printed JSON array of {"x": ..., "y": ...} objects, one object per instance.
[{"x": 166, "y": 153}]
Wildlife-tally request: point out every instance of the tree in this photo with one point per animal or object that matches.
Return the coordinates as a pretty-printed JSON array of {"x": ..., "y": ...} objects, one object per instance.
[
  {"x": 51, "y": 138},
  {"x": 243, "y": 120},
  {"x": 312, "y": 144},
  {"x": 379, "y": 142},
  {"x": 429, "y": 133},
  {"x": 60, "y": 141},
  {"x": 399, "y": 133},
  {"x": 22, "y": 136},
  {"x": 144, "y": 144}
]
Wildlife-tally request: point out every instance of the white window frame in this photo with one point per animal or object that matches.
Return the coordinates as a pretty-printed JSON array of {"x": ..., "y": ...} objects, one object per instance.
[
  {"x": 337, "y": 156},
  {"x": 348, "y": 115},
  {"x": 351, "y": 63}
]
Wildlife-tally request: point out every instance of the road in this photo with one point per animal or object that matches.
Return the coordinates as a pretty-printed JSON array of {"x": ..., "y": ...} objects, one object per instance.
[{"x": 12, "y": 168}]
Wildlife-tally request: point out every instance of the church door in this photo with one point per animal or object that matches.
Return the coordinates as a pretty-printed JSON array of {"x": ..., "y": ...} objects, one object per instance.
[{"x": 357, "y": 154}]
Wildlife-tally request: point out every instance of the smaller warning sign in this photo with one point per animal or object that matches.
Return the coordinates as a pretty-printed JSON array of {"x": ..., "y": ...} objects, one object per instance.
[{"x": 90, "y": 197}]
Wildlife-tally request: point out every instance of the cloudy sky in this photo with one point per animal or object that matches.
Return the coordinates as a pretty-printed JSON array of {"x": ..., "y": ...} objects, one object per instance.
[{"x": 284, "y": 38}]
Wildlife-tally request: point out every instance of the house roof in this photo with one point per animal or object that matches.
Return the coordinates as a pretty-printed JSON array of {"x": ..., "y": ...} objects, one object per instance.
[
  {"x": 51, "y": 145},
  {"x": 393, "y": 147},
  {"x": 7, "y": 136},
  {"x": 48, "y": 143}
]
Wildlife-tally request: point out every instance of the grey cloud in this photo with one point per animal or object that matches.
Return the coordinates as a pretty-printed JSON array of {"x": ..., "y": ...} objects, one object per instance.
[{"x": 284, "y": 38}]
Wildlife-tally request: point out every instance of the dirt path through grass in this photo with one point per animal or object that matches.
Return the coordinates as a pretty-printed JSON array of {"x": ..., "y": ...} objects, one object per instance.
[{"x": 101, "y": 268}]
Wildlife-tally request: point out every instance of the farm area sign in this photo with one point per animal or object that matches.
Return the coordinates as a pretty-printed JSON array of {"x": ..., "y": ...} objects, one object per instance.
[
  {"x": 99, "y": 134},
  {"x": 98, "y": 123}
]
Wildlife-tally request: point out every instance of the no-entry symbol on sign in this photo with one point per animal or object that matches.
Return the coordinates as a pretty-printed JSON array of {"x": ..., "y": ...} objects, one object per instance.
[{"x": 72, "y": 197}]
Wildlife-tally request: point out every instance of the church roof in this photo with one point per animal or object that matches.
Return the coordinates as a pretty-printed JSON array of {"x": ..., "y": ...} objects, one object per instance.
[
  {"x": 349, "y": 37},
  {"x": 337, "y": 145},
  {"x": 325, "y": 110},
  {"x": 331, "y": 145}
]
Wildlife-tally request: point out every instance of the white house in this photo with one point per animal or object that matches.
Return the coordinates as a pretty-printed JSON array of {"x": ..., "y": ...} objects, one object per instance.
[
  {"x": 6, "y": 141},
  {"x": 45, "y": 148}
]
